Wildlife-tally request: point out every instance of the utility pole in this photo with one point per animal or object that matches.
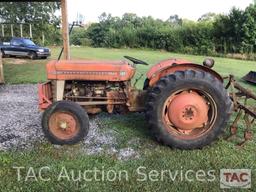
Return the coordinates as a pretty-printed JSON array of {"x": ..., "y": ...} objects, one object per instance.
[{"x": 65, "y": 29}]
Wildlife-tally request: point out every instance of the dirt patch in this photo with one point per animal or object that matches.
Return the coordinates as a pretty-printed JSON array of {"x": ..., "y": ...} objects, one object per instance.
[
  {"x": 19, "y": 61},
  {"x": 15, "y": 61}
]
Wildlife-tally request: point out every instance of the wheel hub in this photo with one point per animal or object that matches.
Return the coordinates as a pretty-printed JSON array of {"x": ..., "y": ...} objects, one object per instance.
[
  {"x": 63, "y": 125},
  {"x": 188, "y": 110}
]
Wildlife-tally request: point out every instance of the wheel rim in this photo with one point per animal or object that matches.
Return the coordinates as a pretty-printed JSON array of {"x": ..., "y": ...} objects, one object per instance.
[
  {"x": 189, "y": 113},
  {"x": 32, "y": 55},
  {"x": 63, "y": 125}
]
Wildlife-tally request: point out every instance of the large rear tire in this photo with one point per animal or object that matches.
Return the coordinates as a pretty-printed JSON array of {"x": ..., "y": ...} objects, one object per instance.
[
  {"x": 146, "y": 84},
  {"x": 65, "y": 122},
  {"x": 188, "y": 109}
]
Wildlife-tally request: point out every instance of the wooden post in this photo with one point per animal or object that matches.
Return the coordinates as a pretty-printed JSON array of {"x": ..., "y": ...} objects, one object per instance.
[
  {"x": 65, "y": 29},
  {"x": 2, "y": 30},
  {"x": 12, "y": 30},
  {"x": 21, "y": 31},
  {"x": 43, "y": 38},
  {"x": 30, "y": 31},
  {"x": 1, "y": 69}
]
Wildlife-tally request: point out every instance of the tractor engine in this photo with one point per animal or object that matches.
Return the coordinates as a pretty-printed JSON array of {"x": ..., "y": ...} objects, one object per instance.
[
  {"x": 86, "y": 89},
  {"x": 96, "y": 96}
]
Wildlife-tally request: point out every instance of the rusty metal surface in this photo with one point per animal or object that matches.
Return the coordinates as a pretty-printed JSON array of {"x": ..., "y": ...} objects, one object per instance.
[
  {"x": 45, "y": 95},
  {"x": 188, "y": 110},
  {"x": 246, "y": 113},
  {"x": 63, "y": 125},
  {"x": 186, "y": 129},
  {"x": 90, "y": 70},
  {"x": 92, "y": 110},
  {"x": 136, "y": 100},
  {"x": 115, "y": 97},
  {"x": 165, "y": 70}
]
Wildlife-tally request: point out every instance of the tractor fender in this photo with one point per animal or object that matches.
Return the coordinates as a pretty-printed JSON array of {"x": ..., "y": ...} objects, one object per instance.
[{"x": 171, "y": 66}]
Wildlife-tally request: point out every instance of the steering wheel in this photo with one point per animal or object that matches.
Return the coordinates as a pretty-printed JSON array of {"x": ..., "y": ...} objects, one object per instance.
[{"x": 135, "y": 61}]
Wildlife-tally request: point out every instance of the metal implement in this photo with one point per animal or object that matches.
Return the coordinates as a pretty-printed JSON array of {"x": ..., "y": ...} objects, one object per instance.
[
  {"x": 63, "y": 48},
  {"x": 242, "y": 101},
  {"x": 250, "y": 77}
]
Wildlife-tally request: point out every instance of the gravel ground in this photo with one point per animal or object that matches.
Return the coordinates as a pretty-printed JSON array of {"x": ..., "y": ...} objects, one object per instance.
[
  {"x": 20, "y": 125},
  {"x": 19, "y": 117}
]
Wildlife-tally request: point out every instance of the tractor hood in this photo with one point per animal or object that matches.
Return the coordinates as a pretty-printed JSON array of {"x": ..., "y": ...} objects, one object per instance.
[{"x": 89, "y": 70}]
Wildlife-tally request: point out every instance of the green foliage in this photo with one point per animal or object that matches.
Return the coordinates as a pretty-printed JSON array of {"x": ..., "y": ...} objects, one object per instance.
[
  {"x": 234, "y": 33},
  {"x": 78, "y": 37},
  {"x": 249, "y": 29},
  {"x": 40, "y": 14},
  {"x": 211, "y": 35}
]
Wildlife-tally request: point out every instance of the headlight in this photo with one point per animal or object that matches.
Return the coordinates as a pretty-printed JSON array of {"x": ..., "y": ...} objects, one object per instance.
[{"x": 41, "y": 50}]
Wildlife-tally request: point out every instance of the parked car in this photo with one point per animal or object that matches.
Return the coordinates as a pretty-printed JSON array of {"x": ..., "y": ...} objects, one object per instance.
[{"x": 24, "y": 47}]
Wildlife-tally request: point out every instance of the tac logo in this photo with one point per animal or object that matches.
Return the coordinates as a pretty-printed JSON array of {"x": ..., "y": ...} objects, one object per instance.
[{"x": 235, "y": 178}]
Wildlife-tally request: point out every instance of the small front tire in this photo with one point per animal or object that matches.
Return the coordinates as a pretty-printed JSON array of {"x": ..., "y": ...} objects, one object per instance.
[{"x": 65, "y": 122}]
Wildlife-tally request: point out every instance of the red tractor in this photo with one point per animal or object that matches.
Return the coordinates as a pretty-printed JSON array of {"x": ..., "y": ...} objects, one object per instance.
[{"x": 186, "y": 104}]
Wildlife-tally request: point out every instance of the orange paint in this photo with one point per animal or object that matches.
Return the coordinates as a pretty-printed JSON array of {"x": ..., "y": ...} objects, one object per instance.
[
  {"x": 165, "y": 64},
  {"x": 167, "y": 67},
  {"x": 45, "y": 95},
  {"x": 90, "y": 70},
  {"x": 188, "y": 111}
]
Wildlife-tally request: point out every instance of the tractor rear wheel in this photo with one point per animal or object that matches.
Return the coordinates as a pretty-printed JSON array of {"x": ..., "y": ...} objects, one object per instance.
[
  {"x": 65, "y": 122},
  {"x": 146, "y": 84},
  {"x": 188, "y": 109}
]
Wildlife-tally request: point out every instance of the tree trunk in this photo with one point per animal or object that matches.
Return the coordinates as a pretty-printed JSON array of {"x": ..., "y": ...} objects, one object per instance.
[{"x": 1, "y": 69}]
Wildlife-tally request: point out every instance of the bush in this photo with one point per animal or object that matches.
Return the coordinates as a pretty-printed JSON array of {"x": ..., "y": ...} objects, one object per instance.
[{"x": 212, "y": 35}]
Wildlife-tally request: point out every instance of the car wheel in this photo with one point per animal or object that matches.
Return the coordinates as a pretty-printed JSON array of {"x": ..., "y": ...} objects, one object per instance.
[
  {"x": 32, "y": 55},
  {"x": 3, "y": 54}
]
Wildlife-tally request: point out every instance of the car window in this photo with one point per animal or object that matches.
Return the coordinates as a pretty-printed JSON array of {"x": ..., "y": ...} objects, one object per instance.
[
  {"x": 16, "y": 42},
  {"x": 28, "y": 42}
]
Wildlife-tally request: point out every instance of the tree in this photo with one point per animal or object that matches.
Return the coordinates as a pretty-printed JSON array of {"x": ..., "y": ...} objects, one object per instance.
[
  {"x": 209, "y": 17},
  {"x": 40, "y": 14},
  {"x": 249, "y": 29},
  {"x": 175, "y": 20},
  {"x": 31, "y": 12},
  {"x": 228, "y": 31}
]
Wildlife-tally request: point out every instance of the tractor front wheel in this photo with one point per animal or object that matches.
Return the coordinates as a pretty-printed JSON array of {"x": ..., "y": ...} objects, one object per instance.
[
  {"x": 188, "y": 109},
  {"x": 65, "y": 122}
]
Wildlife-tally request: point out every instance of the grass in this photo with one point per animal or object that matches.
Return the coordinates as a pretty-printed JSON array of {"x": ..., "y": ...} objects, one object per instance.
[{"x": 221, "y": 154}]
